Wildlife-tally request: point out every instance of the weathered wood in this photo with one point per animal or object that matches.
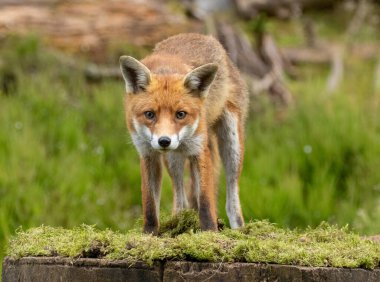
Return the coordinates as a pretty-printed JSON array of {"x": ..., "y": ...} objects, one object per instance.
[
  {"x": 38, "y": 269},
  {"x": 302, "y": 55},
  {"x": 92, "y": 27},
  {"x": 29, "y": 2},
  {"x": 318, "y": 55},
  {"x": 53, "y": 269},
  {"x": 263, "y": 67},
  {"x": 280, "y": 8}
]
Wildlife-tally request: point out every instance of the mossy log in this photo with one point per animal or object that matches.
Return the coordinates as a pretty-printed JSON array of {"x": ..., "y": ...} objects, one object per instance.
[{"x": 259, "y": 251}]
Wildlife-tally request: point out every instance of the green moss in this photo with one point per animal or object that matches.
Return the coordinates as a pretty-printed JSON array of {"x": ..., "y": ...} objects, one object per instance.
[
  {"x": 258, "y": 241},
  {"x": 184, "y": 222}
]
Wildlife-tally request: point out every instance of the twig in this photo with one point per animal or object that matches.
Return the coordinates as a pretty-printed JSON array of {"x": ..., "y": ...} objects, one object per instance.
[
  {"x": 257, "y": 86},
  {"x": 273, "y": 55},
  {"x": 263, "y": 68},
  {"x": 302, "y": 55},
  {"x": 310, "y": 33},
  {"x": 337, "y": 70},
  {"x": 96, "y": 73},
  {"x": 338, "y": 54},
  {"x": 92, "y": 72},
  {"x": 356, "y": 21},
  {"x": 376, "y": 77}
]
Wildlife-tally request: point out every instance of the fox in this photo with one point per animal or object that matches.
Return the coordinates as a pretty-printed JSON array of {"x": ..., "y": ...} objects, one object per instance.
[{"x": 185, "y": 107}]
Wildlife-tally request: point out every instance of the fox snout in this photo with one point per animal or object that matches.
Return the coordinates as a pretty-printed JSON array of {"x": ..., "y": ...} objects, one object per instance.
[{"x": 165, "y": 142}]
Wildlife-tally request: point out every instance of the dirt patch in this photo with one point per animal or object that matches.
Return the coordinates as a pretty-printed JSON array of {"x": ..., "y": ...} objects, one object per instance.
[{"x": 375, "y": 238}]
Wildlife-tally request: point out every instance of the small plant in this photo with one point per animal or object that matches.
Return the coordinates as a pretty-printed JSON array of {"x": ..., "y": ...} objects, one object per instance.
[{"x": 186, "y": 221}]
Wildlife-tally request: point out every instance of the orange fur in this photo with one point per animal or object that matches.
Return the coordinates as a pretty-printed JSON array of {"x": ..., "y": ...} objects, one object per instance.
[{"x": 180, "y": 76}]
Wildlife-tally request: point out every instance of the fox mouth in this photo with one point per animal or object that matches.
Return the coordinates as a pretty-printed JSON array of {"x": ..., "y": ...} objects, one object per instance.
[
  {"x": 163, "y": 149},
  {"x": 171, "y": 143}
]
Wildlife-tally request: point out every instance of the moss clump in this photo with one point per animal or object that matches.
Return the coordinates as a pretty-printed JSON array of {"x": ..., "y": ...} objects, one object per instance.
[
  {"x": 258, "y": 241},
  {"x": 186, "y": 221}
]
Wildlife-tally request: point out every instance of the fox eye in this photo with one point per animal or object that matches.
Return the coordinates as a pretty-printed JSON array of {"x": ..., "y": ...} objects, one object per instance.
[
  {"x": 180, "y": 114},
  {"x": 149, "y": 114}
]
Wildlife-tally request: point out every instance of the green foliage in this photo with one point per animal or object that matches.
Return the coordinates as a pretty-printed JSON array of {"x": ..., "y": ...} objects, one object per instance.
[
  {"x": 257, "y": 25},
  {"x": 258, "y": 241},
  {"x": 317, "y": 161}
]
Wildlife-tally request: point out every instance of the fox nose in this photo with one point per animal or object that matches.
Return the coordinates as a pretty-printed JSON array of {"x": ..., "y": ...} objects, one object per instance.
[{"x": 164, "y": 141}]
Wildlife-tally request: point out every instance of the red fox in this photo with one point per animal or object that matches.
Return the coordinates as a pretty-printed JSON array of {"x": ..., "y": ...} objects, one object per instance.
[{"x": 187, "y": 101}]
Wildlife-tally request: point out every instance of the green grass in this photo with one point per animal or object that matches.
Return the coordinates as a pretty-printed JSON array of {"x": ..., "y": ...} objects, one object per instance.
[
  {"x": 258, "y": 241},
  {"x": 66, "y": 157},
  {"x": 317, "y": 161}
]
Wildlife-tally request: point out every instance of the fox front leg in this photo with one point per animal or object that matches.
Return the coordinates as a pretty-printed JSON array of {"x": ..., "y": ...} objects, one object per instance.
[
  {"x": 175, "y": 162},
  {"x": 151, "y": 176},
  {"x": 202, "y": 166}
]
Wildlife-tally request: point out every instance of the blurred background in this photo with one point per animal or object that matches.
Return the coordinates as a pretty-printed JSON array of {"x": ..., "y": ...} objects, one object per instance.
[{"x": 313, "y": 133}]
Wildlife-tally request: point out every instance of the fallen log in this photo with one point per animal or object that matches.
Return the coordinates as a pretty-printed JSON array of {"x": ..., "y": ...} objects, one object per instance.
[
  {"x": 308, "y": 55},
  {"x": 263, "y": 67},
  {"x": 303, "y": 55},
  {"x": 279, "y": 8}
]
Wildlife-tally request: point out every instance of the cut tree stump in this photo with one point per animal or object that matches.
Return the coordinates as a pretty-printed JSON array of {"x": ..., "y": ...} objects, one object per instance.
[{"x": 63, "y": 269}]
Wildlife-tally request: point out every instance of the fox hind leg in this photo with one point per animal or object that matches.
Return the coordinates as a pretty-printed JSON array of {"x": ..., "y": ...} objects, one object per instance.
[{"x": 231, "y": 148}]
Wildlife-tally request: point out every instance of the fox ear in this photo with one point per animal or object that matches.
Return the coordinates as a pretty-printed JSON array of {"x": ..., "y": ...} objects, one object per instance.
[
  {"x": 199, "y": 79},
  {"x": 135, "y": 74}
]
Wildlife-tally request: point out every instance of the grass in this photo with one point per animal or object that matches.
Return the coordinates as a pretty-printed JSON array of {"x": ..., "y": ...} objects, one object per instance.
[
  {"x": 321, "y": 158},
  {"x": 66, "y": 157},
  {"x": 258, "y": 241}
]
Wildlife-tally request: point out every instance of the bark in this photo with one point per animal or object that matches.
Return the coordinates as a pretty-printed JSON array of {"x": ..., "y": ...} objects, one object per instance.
[
  {"x": 280, "y": 8},
  {"x": 263, "y": 68}
]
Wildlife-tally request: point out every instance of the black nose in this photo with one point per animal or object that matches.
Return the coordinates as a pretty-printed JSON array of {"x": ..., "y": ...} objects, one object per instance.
[{"x": 164, "y": 141}]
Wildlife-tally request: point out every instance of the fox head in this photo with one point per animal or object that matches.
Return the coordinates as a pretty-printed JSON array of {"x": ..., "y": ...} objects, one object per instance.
[{"x": 164, "y": 109}]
